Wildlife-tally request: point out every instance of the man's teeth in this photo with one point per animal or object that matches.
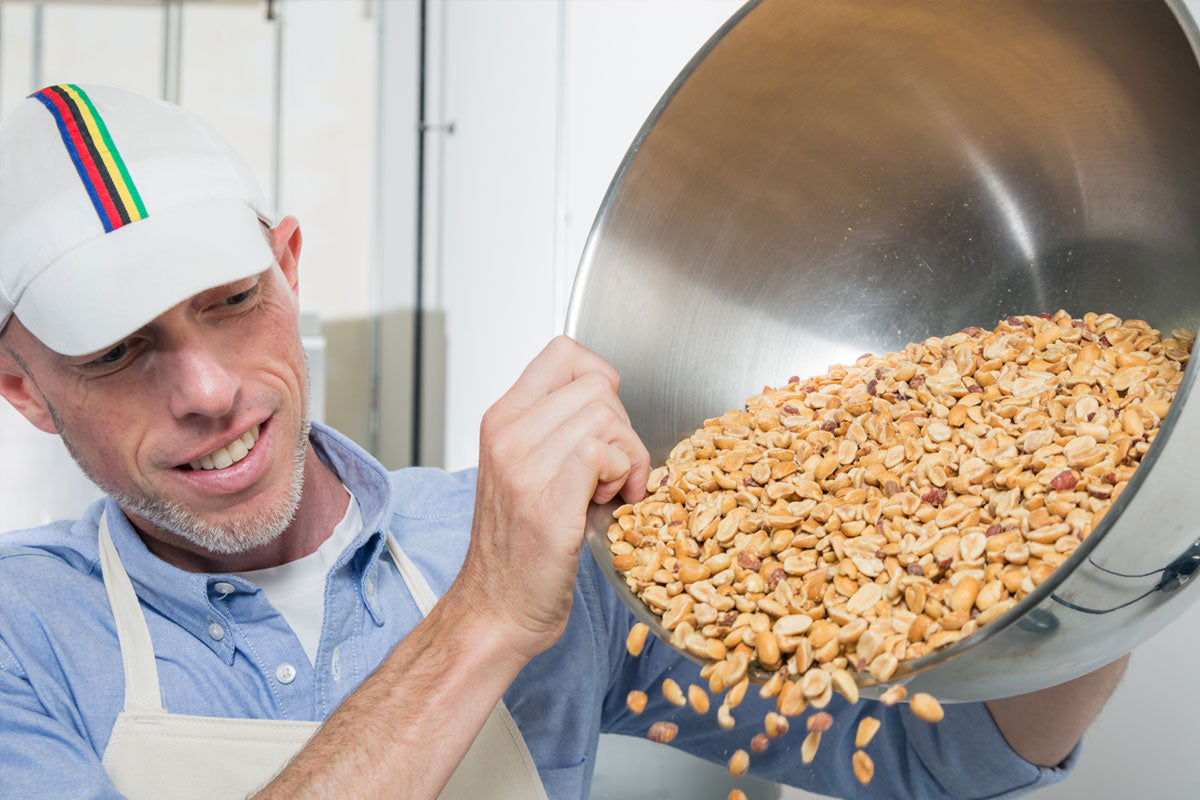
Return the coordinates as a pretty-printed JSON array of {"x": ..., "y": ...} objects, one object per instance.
[{"x": 228, "y": 455}]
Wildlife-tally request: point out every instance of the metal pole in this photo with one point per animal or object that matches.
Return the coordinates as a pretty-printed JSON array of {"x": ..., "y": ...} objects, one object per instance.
[
  {"x": 35, "y": 69},
  {"x": 1, "y": 57},
  {"x": 275, "y": 13},
  {"x": 375, "y": 318},
  {"x": 419, "y": 297},
  {"x": 172, "y": 49}
]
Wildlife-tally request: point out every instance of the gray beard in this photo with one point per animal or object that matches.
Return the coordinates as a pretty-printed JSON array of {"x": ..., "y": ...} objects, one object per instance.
[{"x": 232, "y": 538}]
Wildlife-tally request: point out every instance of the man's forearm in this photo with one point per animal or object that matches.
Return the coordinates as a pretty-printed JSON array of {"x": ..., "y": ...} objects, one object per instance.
[
  {"x": 1043, "y": 727},
  {"x": 403, "y": 732}
]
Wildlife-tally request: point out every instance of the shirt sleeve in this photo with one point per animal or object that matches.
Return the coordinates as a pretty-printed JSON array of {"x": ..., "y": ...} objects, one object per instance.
[
  {"x": 41, "y": 756},
  {"x": 963, "y": 757}
]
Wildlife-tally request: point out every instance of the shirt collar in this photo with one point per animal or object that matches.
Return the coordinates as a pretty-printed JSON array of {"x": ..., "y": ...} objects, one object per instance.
[{"x": 188, "y": 598}]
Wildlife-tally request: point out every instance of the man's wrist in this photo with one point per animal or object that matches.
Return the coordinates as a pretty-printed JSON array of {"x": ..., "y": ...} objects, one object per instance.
[{"x": 485, "y": 629}]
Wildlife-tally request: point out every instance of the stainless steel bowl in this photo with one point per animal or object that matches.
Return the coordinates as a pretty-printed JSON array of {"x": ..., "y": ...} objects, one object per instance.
[{"x": 828, "y": 178}]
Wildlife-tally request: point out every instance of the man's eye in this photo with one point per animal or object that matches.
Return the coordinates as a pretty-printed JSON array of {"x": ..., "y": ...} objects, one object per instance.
[
  {"x": 238, "y": 298},
  {"x": 112, "y": 356}
]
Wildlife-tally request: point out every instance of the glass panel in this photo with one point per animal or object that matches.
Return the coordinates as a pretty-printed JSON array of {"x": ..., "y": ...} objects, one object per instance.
[
  {"x": 103, "y": 44},
  {"x": 227, "y": 77}
]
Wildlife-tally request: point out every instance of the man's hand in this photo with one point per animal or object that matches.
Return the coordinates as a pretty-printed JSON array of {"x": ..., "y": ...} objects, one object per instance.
[{"x": 555, "y": 441}]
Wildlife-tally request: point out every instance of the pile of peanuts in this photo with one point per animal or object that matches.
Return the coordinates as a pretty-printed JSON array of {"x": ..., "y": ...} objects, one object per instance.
[{"x": 848, "y": 522}]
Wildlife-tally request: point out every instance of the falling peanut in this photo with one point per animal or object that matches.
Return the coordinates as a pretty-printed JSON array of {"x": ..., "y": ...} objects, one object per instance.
[
  {"x": 893, "y": 695},
  {"x": 820, "y": 722},
  {"x": 808, "y": 750},
  {"x": 927, "y": 707},
  {"x": 636, "y": 639},
  {"x": 867, "y": 728},
  {"x": 864, "y": 767},
  {"x": 775, "y": 725},
  {"x": 724, "y": 718},
  {"x": 739, "y": 762},
  {"x": 698, "y": 699},
  {"x": 663, "y": 732}
]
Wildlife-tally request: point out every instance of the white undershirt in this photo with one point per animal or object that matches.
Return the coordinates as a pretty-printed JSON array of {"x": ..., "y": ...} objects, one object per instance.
[{"x": 297, "y": 589}]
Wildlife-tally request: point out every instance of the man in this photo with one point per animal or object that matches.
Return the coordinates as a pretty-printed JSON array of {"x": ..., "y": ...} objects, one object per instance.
[{"x": 252, "y": 594}]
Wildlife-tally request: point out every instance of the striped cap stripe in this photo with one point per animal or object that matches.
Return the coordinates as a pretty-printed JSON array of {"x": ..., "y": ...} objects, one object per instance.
[
  {"x": 128, "y": 189},
  {"x": 97, "y": 160}
]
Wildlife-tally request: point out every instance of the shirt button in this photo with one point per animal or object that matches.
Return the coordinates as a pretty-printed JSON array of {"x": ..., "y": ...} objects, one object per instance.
[
  {"x": 285, "y": 673},
  {"x": 224, "y": 588},
  {"x": 370, "y": 588},
  {"x": 216, "y": 632}
]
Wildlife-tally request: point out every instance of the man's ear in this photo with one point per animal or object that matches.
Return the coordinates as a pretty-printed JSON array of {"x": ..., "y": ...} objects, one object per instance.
[
  {"x": 18, "y": 388},
  {"x": 285, "y": 242}
]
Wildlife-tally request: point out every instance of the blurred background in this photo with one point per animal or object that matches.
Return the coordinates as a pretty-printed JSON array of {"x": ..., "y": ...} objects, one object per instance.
[{"x": 445, "y": 159}]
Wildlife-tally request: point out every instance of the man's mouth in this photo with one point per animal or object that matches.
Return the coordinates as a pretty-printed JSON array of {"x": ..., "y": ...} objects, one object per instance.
[{"x": 228, "y": 455}]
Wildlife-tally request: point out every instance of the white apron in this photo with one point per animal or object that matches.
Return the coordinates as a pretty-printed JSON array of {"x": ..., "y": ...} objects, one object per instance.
[{"x": 155, "y": 755}]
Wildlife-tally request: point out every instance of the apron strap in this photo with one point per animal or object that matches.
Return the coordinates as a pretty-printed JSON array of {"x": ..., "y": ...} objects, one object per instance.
[
  {"x": 413, "y": 579},
  {"x": 137, "y": 651}
]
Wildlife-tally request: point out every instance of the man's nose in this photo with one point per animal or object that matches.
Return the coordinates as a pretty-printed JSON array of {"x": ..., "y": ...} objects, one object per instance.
[{"x": 202, "y": 383}]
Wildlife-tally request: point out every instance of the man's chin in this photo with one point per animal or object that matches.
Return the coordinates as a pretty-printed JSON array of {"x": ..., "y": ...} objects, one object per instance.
[{"x": 225, "y": 537}]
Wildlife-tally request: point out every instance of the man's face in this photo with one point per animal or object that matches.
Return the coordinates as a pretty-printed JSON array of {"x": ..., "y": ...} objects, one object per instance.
[{"x": 197, "y": 423}]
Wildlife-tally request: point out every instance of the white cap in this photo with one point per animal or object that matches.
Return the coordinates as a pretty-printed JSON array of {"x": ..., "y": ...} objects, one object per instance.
[{"x": 114, "y": 207}]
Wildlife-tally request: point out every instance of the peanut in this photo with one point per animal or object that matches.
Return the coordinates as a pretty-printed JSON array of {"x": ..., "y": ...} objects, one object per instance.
[
  {"x": 698, "y": 699},
  {"x": 844, "y": 682},
  {"x": 739, "y": 762},
  {"x": 636, "y": 701},
  {"x": 775, "y": 725},
  {"x": 663, "y": 732},
  {"x": 820, "y": 722},
  {"x": 772, "y": 686},
  {"x": 733, "y": 697},
  {"x": 893, "y": 695},
  {"x": 724, "y": 718},
  {"x": 636, "y": 639},
  {"x": 864, "y": 767},
  {"x": 867, "y": 728},
  {"x": 791, "y": 701},
  {"x": 673, "y": 693},
  {"x": 927, "y": 707},
  {"x": 808, "y": 749}
]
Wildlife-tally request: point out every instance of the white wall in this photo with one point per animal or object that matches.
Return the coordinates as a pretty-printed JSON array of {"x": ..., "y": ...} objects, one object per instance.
[{"x": 545, "y": 98}]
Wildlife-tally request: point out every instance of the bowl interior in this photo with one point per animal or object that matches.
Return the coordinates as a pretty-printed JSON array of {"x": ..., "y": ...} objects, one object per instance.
[{"x": 828, "y": 179}]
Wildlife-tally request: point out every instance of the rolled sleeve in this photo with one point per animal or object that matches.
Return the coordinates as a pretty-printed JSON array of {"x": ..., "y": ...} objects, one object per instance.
[{"x": 966, "y": 751}]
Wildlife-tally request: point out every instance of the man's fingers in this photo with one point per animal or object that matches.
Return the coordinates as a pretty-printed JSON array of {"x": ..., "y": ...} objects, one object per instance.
[
  {"x": 594, "y": 446},
  {"x": 611, "y": 467},
  {"x": 639, "y": 472},
  {"x": 552, "y": 411},
  {"x": 559, "y": 363}
]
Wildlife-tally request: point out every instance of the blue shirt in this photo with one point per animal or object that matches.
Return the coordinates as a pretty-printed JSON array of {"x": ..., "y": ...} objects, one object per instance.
[{"x": 62, "y": 686}]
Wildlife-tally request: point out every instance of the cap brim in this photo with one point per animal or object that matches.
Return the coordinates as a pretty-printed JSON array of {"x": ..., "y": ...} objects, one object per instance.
[{"x": 101, "y": 292}]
